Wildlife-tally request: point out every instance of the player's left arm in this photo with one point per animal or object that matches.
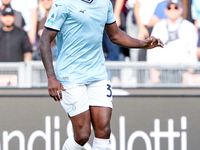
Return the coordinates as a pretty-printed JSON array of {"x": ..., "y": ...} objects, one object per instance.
[{"x": 119, "y": 37}]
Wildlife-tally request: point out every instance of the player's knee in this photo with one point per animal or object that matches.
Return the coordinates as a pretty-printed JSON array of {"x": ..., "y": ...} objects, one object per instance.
[
  {"x": 82, "y": 137},
  {"x": 103, "y": 133},
  {"x": 107, "y": 132}
]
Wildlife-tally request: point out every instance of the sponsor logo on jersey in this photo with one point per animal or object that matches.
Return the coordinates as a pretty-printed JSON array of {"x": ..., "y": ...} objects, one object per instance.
[{"x": 51, "y": 18}]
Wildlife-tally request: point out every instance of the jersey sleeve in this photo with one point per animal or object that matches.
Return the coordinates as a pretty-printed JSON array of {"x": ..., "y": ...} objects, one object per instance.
[
  {"x": 110, "y": 15},
  {"x": 57, "y": 15}
]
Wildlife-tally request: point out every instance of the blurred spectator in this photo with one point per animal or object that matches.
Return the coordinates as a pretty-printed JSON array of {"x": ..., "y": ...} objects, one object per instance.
[
  {"x": 112, "y": 51},
  {"x": 28, "y": 8},
  {"x": 41, "y": 10},
  {"x": 47, "y": 5},
  {"x": 142, "y": 12},
  {"x": 159, "y": 12},
  {"x": 180, "y": 38},
  {"x": 187, "y": 10},
  {"x": 137, "y": 27},
  {"x": 196, "y": 17},
  {"x": 120, "y": 13},
  {"x": 132, "y": 28},
  {"x": 19, "y": 20},
  {"x": 14, "y": 42}
]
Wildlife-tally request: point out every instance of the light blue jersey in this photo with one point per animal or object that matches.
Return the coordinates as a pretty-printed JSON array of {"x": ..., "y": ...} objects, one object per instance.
[{"x": 80, "y": 24}]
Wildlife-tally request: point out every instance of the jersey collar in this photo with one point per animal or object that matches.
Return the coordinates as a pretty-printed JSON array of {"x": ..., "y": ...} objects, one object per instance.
[{"x": 88, "y": 1}]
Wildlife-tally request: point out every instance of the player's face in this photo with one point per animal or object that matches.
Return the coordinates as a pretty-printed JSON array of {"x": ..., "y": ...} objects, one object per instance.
[
  {"x": 173, "y": 12},
  {"x": 47, "y": 4},
  {"x": 6, "y": 2},
  {"x": 7, "y": 20}
]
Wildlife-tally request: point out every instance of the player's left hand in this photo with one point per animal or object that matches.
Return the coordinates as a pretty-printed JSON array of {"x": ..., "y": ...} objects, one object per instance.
[{"x": 152, "y": 42}]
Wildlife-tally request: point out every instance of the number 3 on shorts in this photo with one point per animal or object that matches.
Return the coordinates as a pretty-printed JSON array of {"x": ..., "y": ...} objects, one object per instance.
[{"x": 109, "y": 88}]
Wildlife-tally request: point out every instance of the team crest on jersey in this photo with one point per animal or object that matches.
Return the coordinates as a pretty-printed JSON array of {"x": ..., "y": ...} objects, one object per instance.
[
  {"x": 51, "y": 18},
  {"x": 103, "y": 8},
  {"x": 73, "y": 106}
]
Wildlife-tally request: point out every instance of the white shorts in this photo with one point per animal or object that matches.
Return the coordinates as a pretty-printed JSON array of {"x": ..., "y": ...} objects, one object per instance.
[{"x": 78, "y": 97}]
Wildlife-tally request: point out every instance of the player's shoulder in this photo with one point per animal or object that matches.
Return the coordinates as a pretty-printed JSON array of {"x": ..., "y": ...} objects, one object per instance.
[
  {"x": 109, "y": 3},
  {"x": 196, "y": 2},
  {"x": 105, "y": 2},
  {"x": 61, "y": 3}
]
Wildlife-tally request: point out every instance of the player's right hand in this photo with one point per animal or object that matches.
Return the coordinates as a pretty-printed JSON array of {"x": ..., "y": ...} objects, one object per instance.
[
  {"x": 54, "y": 88},
  {"x": 152, "y": 42}
]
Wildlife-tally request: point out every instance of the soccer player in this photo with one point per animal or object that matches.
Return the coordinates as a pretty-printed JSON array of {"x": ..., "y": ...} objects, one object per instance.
[{"x": 80, "y": 82}]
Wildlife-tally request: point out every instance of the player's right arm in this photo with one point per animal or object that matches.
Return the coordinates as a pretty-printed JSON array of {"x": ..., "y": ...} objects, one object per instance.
[{"x": 54, "y": 86}]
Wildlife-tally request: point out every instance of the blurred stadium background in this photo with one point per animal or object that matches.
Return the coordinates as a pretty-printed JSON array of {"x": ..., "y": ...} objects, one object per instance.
[{"x": 146, "y": 116}]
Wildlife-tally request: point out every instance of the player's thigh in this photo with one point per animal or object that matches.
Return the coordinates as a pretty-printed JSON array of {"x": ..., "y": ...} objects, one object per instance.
[
  {"x": 100, "y": 94},
  {"x": 100, "y": 118},
  {"x": 76, "y": 105},
  {"x": 100, "y": 101},
  {"x": 75, "y": 99},
  {"x": 81, "y": 125}
]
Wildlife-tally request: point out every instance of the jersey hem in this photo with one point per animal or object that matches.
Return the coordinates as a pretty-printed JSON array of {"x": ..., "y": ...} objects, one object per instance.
[{"x": 86, "y": 82}]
